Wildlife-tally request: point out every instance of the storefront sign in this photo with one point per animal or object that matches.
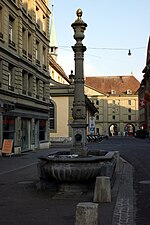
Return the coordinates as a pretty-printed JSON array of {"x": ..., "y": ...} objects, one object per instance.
[{"x": 7, "y": 146}]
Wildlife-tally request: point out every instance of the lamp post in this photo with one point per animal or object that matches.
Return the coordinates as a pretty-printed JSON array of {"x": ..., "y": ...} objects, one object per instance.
[{"x": 79, "y": 109}]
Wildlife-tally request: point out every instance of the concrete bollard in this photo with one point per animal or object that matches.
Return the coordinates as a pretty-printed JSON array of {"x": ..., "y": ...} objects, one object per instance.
[
  {"x": 102, "y": 191},
  {"x": 87, "y": 213}
]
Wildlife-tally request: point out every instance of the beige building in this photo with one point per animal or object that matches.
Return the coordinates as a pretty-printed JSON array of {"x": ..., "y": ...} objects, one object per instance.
[
  {"x": 24, "y": 73},
  {"x": 116, "y": 99}
]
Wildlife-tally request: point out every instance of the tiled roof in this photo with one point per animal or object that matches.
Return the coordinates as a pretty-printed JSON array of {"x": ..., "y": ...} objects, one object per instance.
[{"x": 119, "y": 84}]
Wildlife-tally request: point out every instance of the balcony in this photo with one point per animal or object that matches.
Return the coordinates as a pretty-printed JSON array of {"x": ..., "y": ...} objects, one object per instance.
[
  {"x": 24, "y": 52},
  {"x": 37, "y": 25},
  {"x": 11, "y": 43},
  {"x": 37, "y": 62},
  {"x": 44, "y": 67},
  {"x": 24, "y": 92},
  {"x": 24, "y": 10},
  {"x": 44, "y": 33},
  {"x": 30, "y": 56},
  {"x": 11, "y": 88},
  {"x": 29, "y": 16},
  {"x": 29, "y": 93},
  {"x": 1, "y": 35}
]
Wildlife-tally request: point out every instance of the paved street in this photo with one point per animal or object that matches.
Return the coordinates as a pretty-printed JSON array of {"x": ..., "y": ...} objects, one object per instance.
[
  {"x": 137, "y": 152},
  {"x": 22, "y": 204}
]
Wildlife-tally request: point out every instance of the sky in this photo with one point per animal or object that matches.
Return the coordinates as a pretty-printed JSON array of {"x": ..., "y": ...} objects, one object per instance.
[{"x": 114, "y": 27}]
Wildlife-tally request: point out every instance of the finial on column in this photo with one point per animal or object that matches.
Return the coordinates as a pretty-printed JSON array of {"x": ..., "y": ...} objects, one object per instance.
[{"x": 79, "y": 13}]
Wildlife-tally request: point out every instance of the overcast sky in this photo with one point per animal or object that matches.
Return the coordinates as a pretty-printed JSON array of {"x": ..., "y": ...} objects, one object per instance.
[{"x": 114, "y": 27}]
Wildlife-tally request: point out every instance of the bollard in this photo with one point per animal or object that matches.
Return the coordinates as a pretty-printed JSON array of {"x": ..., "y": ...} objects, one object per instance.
[
  {"x": 102, "y": 191},
  {"x": 87, "y": 213}
]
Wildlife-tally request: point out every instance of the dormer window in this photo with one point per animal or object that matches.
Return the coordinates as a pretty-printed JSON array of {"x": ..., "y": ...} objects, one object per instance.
[
  {"x": 129, "y": 92},
  {"x": 113, "y": 92}
]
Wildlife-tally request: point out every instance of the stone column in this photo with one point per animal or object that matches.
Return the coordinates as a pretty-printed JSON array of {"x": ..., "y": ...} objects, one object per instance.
[{"x": 79, "y": 109}]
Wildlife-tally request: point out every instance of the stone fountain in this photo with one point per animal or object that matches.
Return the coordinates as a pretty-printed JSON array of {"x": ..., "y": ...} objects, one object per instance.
[{"x": 79, "y": 165}]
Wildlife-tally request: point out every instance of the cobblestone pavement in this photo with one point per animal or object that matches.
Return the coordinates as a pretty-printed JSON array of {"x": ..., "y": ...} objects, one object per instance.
[{"x": 123, "y": 212}]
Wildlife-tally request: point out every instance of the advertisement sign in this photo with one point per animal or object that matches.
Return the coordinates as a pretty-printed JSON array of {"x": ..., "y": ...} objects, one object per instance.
[{"x": 7, "y": 146}]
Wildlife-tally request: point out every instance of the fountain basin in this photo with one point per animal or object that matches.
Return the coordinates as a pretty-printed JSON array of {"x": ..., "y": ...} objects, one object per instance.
[{"x": 64, "y": 167}]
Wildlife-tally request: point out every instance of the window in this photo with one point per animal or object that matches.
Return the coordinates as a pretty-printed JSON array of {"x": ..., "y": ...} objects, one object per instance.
[
  {"x": 52, "y": 114},
  {"x": 37, "y": 87},
  {"x": 36, "y": 15},
  {"x": 129, "y": 102},
  {"x": 1, "y": 33},
  {"x": 37, "y": 53},
  {"x": 97, "y": 102},
  {"x": 8, "y": 127},
  {"x": 113, "y": 102},
  {"x": 44, "y": 57},
  {"x": 113, "y": 92},
  {"x": 129, "y": 117},
  {"x": 10, "y": 77},
  {"x": 44, "y": 91},
  {"x": 24, "y": 44},
  {"x": 30, "y": 84},
  {"x": 42, "y": 130},
  {"x": 97, "y": 131},
  {"x": 11, "y": 31},
  {"x": 113, "y": 117},
  {"x": 97, "y": 117},
  {"x": 129, "y": 110},
  {"x": 44, "y": 24},
  {"x": 24, "y": 3},
  {"x": 129, "y": 92},
  {"x": 0, "y": 72},
  {"x": 24, "y": 82},
  {"x": 29, "y": 46}
]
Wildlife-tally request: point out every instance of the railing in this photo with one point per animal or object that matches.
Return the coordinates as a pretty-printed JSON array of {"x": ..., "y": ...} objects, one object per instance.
[{"x": 11, "y": 43}]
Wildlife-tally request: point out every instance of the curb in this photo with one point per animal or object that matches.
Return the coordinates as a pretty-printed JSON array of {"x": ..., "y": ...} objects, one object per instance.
[{"x": 123, "y": 212}]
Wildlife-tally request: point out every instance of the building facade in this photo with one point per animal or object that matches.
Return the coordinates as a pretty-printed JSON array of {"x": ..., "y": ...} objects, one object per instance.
[
  {"x": 24, "y": 73},
  {"x": 144, "y": 95},
  {"x": 116, "y": 99}
]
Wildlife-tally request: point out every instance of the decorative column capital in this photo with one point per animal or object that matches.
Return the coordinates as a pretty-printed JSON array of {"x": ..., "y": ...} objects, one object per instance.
[{"x": 79, "y": 27}]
